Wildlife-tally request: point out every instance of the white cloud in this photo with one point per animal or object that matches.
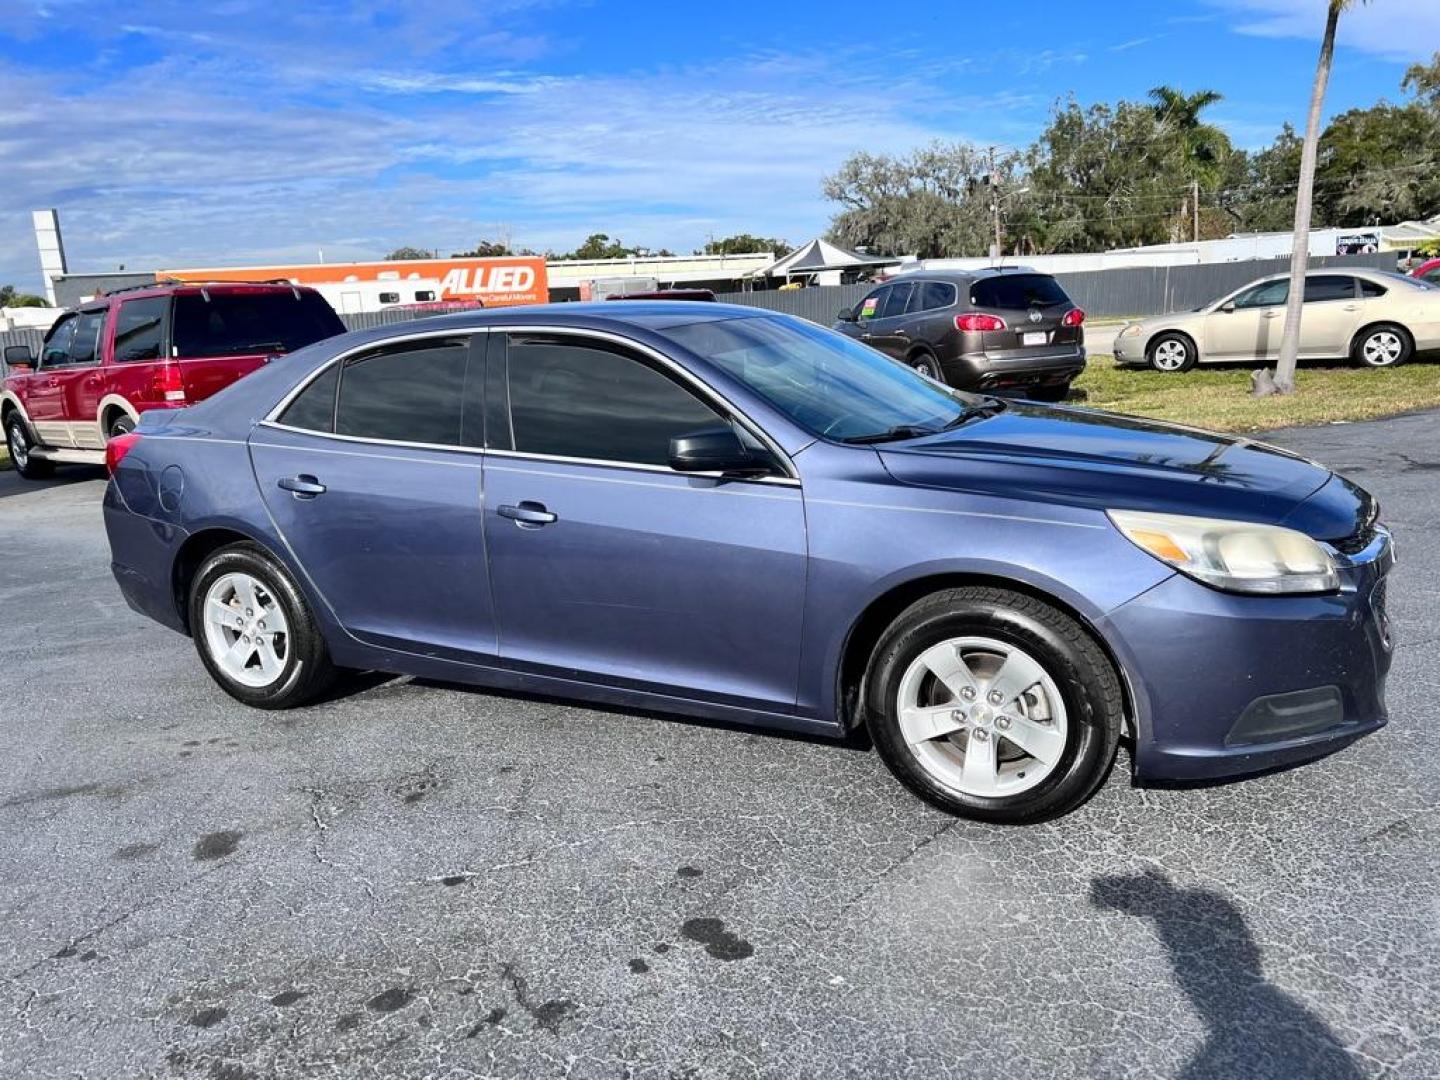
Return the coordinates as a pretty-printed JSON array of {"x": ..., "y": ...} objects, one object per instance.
[{"x": 1405, "y": 30}]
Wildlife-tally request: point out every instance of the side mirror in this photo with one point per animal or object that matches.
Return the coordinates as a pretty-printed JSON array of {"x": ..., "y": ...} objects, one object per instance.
[
  {"x": 846, "y": 314},
  {"x": 19, "y": 356},
  {"x": 716, "y": 450},
  {"x": 1228, "y": 307}
]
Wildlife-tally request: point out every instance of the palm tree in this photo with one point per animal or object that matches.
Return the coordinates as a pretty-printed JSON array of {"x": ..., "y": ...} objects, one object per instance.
[
  {"x": 1283, "y": 381},
  {"x": 1181, "y": 112}
]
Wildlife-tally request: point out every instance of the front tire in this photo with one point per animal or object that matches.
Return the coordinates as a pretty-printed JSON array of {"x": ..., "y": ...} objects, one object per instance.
[
  {"x": 254, "y": 631},
  {"x": 993, "y": 705},
  {"x": 18, "y": 444},
  {"x": 1383, "y": 346},
  {"x": 1171, "y": 354}
]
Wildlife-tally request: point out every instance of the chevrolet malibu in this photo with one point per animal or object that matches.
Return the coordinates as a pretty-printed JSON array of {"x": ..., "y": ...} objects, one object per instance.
[{"x": 726, "y": 513}]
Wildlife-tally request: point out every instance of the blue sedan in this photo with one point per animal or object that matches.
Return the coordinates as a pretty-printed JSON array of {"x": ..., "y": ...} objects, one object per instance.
[{"x": 726, "y": 513}]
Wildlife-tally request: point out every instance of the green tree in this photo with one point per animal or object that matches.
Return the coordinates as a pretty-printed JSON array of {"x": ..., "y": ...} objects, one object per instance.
[
  {"x": 1283, "y": 380},
  {"x": 1206, "y": 147},
  {"x": 600, "y": 246},
  {"x": 485, "y": 249},
  {"x": 11, "y": 297},
  {"x": 932, "y": 202},
  {"x": 408, "y": 253},
  {"x": 745, "y": 244}
]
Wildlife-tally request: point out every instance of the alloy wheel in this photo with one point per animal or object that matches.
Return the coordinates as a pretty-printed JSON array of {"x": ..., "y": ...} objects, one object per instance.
[
  {"x": 1382, "y": 348},
  {"x": 245, "y": 630},
  {"x": 1170, "y": 355},
  {"x": 983, "y": 717},
  {"x": 19, "y": 447}
]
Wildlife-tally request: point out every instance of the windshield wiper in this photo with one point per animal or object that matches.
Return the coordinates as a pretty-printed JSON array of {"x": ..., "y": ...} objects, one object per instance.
[
  {"x": 973, "y": 412},
  {"x": 899, "y": 431}
]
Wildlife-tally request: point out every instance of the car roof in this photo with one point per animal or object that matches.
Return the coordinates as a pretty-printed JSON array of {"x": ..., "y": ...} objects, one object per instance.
[
  {"x": 593, "y": 315},
  {"x": 965, "y": 277},
  {"x": 178, "y": 288}
]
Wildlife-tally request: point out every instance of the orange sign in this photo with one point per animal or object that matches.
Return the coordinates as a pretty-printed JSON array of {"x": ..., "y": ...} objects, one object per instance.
[{"x": 494, "y": 282}]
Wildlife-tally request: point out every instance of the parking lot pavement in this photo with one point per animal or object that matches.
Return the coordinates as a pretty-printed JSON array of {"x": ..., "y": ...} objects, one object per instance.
[{"x": 417, "y": 880}]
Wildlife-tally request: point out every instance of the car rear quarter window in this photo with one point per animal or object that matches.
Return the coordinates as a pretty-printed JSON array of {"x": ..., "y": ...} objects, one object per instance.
[
  {"x": 1371, "y": 289},
  {"x": 85, "y": 348},
  {"x": 139, "y": 327},
  {"x": 241, "y": 323},
  {"x": 1319, "y": 290},
  {"x": 411, "y": 392},
  {"x": 583, "y": 399},
  {"x": 314, "y": 408},
  {"x": 1017, "y": 292}
]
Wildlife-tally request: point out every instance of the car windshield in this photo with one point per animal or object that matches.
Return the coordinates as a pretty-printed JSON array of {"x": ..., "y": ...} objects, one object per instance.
[{"x": 828, "y": 384}]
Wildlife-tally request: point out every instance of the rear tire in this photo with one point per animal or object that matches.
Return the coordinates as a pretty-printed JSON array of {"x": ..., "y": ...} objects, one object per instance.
[
  {"x": 926, "y": 364},
  {"x": 121, "y": 425},
  {"x": 254, "y": 631},
  {"x": 19, "y": 445},
  {"x": 1171, "y": 354},
  {"x": 1384, "y": 346},
  {"x": 1052, "y": 394},
  {"x": 1015, "y": 671}
]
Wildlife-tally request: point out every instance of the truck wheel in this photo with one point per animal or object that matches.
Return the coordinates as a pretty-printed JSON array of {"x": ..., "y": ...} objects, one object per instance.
[
  {"x": 121, "y": 425},
  {"x": 17, "y": 441}
]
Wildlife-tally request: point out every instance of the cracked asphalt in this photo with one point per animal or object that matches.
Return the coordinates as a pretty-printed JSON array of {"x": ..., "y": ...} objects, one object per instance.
[{"x": 422, "y": 881}]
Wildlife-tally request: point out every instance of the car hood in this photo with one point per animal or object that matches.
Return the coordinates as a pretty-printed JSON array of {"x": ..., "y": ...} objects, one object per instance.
[{"x": 1083, "y": 457}]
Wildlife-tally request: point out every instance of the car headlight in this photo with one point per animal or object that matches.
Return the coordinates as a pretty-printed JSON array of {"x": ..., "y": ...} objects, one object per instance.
[
  {"x": 1133, "y": 330},
  {"x": 1236, "y": 556}
]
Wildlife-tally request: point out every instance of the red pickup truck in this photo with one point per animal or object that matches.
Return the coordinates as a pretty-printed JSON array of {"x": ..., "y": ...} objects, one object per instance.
[{"x": 161, "y": 346}]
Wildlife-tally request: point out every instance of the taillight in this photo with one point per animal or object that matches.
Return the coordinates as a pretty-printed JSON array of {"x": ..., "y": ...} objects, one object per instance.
[
  {"x": 117, "y": 448},
  {"x": 979, "y": 323},
  {"x": 1073, "y": 317},
  {"x": 169, "y": 383}
]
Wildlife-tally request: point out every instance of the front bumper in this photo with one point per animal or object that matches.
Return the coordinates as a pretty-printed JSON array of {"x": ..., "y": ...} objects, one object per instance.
[
  {"x": 1225, "y": 685},
  {"x": 1129, "y": 350}
]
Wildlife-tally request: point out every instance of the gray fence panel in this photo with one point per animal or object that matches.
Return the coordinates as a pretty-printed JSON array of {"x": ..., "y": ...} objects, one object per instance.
[{"x": 1140, "y": 290}]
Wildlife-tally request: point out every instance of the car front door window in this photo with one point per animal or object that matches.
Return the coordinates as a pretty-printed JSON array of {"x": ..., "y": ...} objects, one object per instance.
[
  {"x": 56, "y": 352},
  {"x": 869, "y": 309}
]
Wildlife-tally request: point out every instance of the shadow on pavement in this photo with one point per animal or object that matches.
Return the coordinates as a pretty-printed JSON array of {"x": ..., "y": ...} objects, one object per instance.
[
  {"x": 1255, "y": 1029},
  {"x": 13, "y": 484}
]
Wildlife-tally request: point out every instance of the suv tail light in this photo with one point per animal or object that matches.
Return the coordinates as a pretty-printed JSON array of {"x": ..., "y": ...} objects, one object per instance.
[
  {"x": 169, "y": 383},
  {"x": 1073, "y": 317},
  {"x": 117, "y": 448},
  {"x": 973, "y": 322}
]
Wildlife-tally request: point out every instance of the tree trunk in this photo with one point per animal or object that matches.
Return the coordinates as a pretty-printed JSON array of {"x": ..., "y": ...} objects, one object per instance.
[{"x": 1304, "y": 200}]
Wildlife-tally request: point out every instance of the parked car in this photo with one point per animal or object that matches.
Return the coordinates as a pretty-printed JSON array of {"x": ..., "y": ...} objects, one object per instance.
[
  {"x": 726, "y": 512},
  {"x": 105, "y": 364},
  {"x": 1002, "y": 329},
  {"x": 1375, "y": 318},
  {"x": 1428, "y": 271},
  {"x": 667, "y": 294}
]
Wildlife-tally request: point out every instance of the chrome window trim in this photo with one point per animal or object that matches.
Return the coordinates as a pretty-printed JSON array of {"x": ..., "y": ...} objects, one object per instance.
[{"x": 706, "y": 393}]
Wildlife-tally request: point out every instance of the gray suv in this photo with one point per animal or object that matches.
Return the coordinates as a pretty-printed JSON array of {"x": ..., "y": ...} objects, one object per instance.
[{"x": 1000, "y": 329}]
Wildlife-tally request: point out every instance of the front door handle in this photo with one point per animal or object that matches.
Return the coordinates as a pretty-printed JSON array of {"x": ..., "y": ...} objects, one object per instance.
[
  {"x": 528, "y": 515},
  {"x": 304, "y": 487},
  {"x": 1271, "y": 315}
]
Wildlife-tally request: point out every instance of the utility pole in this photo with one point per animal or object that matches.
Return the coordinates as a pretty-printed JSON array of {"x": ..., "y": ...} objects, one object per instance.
[
  {"x": 995, "y": 205},
  {"x": 1195, "y": 202}
]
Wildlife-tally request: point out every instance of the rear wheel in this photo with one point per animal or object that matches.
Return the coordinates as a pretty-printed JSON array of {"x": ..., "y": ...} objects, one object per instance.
[
  {"x": 926, "y": 364},
  {"x": 17, "y": 442},
  {"x": 254, "y": 631},
  {"x": 1172, "y": 353},
  {"x": 993, "y": 705},
  {"x": 1383, "y": 346},
  {"x": 121, "y": 425}
]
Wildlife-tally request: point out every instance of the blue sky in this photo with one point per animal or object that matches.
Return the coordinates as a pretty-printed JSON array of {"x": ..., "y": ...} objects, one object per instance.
[{"x": 176, "y": 133}]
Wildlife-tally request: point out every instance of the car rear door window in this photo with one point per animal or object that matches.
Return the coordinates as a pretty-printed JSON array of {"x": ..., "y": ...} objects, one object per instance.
[
  {"x": 251, "y": 323},
  {"x": 896, "y": 302},
  {"x": 1017, "y": 292},
  {"x": 933, "y": 295},
  {"x": 139, "y": 328},
  {"x": 578, "y": 398},
  {"x": 85, "y": 348},
  {"x": 411, "y": 392},
  {"x": 1319, "y": 290}
]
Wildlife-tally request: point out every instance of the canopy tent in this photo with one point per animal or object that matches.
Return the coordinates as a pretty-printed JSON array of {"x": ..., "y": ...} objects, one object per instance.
[{"x": 820, "y": 256}]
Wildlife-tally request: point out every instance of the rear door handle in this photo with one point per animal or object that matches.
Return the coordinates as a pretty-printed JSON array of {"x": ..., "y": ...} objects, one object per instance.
[
  {"x": 304, "y": 487},
  {"x": 527, "y": 514}
]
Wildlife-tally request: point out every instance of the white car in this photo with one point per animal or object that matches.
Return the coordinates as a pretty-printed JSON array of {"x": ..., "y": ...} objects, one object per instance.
[{"x": 1375, "y": 318}]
